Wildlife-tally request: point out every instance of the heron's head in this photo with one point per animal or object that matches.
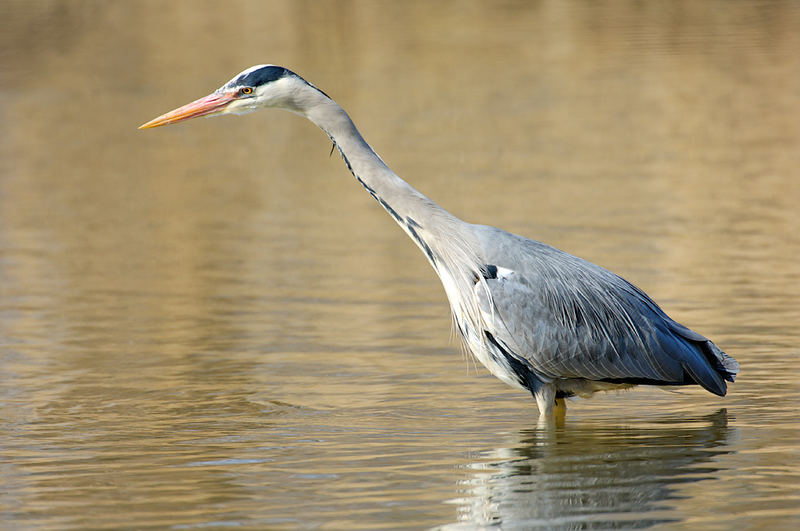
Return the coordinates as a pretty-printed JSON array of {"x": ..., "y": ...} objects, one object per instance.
[{"x": 257, "y": 87}]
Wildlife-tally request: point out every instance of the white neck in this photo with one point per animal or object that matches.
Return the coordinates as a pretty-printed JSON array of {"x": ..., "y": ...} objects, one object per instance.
[
  {"x": 409, "y": 208},
  {"x": 448, "y": 243}
]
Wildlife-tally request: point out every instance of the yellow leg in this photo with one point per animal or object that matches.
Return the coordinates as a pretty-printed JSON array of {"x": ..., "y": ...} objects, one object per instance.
[
  {"x": 560, "y": 411},
  {"x": 552, "y": 410}
]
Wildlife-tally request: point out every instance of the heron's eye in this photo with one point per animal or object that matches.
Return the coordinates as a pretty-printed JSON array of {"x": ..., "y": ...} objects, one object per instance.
[{"x": 246, "y": 91}]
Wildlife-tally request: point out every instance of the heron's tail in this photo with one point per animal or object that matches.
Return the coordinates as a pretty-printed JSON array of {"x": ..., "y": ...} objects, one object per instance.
[
  {"x": 709, "y": 369},
  {"x": 725, "y": 365}
]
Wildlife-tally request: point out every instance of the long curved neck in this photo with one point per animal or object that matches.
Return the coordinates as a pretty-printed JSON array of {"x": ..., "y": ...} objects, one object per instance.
[
  {"x": 409, "y": 208},
  {"x": 448, "y": 243}
]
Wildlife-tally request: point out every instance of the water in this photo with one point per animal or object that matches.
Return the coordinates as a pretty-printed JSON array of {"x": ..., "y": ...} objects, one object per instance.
[{"x": 211, "y": 325}]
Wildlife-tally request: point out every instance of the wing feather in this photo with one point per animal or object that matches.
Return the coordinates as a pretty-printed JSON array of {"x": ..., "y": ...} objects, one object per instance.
[{"x": 568, "y": 318}]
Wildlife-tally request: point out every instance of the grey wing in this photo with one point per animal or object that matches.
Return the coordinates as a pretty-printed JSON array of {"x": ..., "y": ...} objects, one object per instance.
[{"x": 567, "y": 318}]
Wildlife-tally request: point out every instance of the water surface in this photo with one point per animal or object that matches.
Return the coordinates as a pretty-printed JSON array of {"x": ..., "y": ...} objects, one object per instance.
[{"x": 211, "y": 325}]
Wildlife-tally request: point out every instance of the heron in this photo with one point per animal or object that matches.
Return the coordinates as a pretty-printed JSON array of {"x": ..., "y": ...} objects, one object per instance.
[{"x": 538, "y": 318}]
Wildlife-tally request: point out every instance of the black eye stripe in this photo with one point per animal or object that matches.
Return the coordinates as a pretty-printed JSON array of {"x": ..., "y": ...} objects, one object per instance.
[{"x": 263, "y": 75}]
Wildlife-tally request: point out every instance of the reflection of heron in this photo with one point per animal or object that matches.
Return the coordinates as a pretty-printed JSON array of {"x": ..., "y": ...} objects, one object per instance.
[
  {"x": 536, "y": 317},
  {"x": 585, "y": 476}
]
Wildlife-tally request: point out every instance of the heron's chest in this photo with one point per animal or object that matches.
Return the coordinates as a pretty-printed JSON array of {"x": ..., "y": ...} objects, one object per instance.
[{"x": 474, "y": 319}]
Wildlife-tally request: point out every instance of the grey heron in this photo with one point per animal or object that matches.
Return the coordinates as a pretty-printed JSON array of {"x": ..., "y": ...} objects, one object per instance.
[{"x": 536, "y": 317}]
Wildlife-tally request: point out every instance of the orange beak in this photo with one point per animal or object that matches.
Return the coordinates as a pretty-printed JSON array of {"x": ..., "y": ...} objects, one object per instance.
[{"x": 210, "y": 104}]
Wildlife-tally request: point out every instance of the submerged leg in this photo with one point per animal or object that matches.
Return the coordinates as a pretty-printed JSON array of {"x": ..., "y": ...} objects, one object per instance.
[
  {"x": 545, "y": 395},
  {"x": 552, "y": 410},
  {"x": 561, "y": 404},
  {"x": 560, "y": 409}
]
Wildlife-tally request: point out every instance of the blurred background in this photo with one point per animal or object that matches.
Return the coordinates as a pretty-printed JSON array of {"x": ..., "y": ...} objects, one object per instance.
[{"x": 212, "y": 325}]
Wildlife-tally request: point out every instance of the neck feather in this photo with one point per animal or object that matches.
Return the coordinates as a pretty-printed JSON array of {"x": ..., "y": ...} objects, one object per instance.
[
  {"x": 449, "y": 244},
  {"x": 408, "y": 207}
]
